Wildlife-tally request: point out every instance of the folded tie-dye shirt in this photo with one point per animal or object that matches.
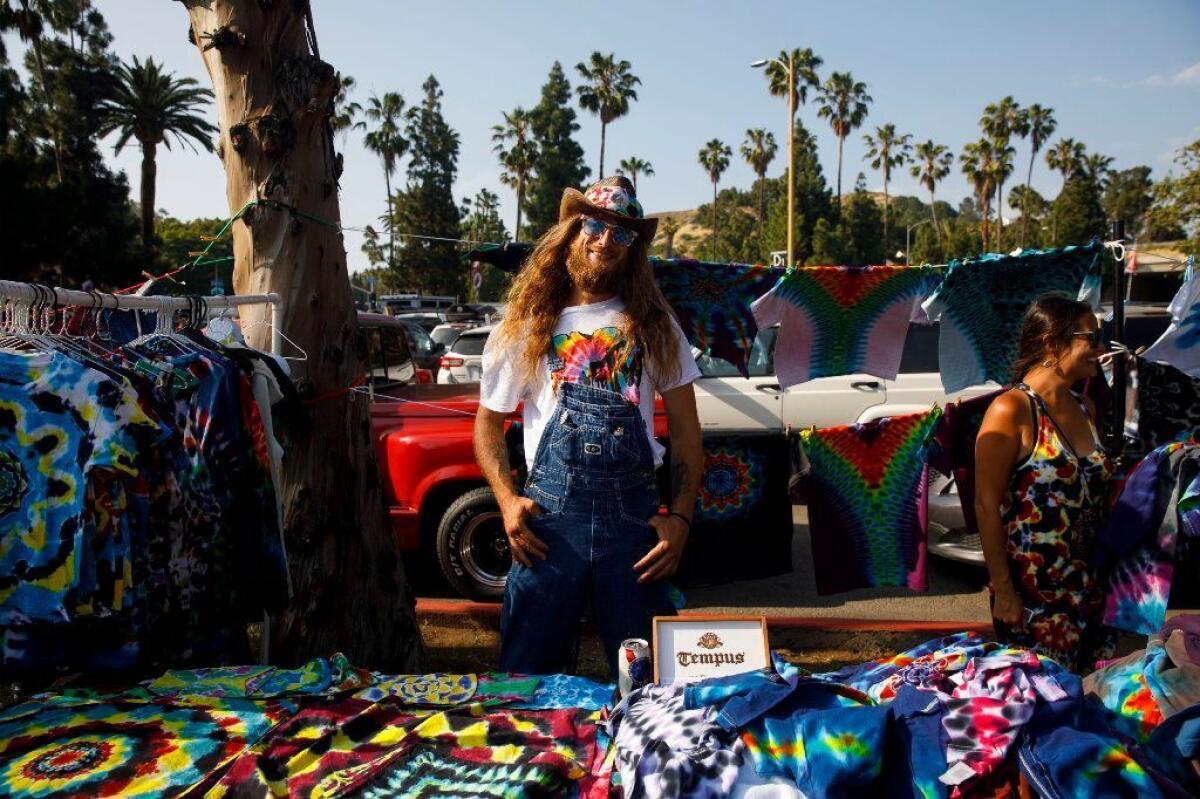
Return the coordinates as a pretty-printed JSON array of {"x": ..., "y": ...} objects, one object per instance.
[{"x": 588, "y": 347}]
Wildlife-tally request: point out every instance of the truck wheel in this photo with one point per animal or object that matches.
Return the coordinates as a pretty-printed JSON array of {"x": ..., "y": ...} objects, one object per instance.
[{"x": 471, "y": 546}]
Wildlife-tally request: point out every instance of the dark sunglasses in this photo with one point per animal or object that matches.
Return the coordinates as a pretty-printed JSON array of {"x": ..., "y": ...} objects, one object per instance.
[
  {"x": 621, "y": 236},
  {"x": 1094, "y": 337}
]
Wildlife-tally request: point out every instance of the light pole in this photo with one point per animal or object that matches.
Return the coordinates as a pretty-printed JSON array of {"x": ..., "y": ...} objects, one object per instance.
[
  {"x": 907, "y": 233},
  {"x": 790, "y": 66}
]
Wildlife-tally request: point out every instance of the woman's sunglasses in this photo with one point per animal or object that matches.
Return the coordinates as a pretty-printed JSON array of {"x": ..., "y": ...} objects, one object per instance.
[
  {"x": 1094, "y": 337},
  {"x": 621, "y": 236}
]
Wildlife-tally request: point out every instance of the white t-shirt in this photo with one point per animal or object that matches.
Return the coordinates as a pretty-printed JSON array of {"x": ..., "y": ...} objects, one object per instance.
[{"x": 585, "y": 340}]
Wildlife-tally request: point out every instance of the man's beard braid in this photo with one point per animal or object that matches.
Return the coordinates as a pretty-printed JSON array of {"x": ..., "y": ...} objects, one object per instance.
[{"x": 592, "y": 279}]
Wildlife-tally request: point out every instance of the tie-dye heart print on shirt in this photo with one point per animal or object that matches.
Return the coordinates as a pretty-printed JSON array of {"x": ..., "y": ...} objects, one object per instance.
[{"x": 601, "y": 359}]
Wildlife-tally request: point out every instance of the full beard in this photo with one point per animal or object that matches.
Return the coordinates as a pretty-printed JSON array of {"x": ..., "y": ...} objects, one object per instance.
[{"x": 591, "y": 278}]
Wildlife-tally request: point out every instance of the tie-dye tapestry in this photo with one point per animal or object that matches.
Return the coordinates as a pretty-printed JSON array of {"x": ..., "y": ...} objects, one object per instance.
[{"x": 712, "y": 302}]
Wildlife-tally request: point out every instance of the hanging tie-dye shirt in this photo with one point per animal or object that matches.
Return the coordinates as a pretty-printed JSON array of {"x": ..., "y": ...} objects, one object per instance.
[
  {"x": 588, "y": 347},
  {"x": 840, "y": 320},
  {"x": 867, "y": 502},
  {"x": 712, "y": 301},
  {"x": 982, "y": 301},
  {"x": 59, "y": 421},
  {"x": 1179, "y": 345}
]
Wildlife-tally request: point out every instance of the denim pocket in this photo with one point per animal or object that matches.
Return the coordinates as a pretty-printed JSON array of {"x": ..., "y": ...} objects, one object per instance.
[
  {"x": 637, "y": 505},
  {"x": 550, "y": 503}
]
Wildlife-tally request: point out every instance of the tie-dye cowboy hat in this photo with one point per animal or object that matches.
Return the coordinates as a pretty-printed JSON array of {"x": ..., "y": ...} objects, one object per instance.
[{"x": 611, "y": 199}]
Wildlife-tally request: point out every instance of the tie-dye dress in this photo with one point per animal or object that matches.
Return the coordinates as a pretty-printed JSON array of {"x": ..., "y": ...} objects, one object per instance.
[{"x": 1051, "y": 515}]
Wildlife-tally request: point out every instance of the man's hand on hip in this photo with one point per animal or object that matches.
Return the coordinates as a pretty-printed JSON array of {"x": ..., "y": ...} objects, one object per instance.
[
  {"x": 521, "y": 540},
  {"x": 663, "y": 560}
]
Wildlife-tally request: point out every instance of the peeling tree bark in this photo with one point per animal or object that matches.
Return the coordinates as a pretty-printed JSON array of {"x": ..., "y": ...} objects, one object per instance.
[{"x": 274, "y": 99}]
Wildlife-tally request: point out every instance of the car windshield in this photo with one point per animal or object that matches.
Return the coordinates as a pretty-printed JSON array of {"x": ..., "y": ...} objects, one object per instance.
[
  {"x": 470, "y": 344},
  {"x": 420, "y": 341},
  {"x": 761, "y": 364}
]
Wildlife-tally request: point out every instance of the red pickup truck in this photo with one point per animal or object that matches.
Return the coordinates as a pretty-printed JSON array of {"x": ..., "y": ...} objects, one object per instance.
[{"x": 437, "y": 498}]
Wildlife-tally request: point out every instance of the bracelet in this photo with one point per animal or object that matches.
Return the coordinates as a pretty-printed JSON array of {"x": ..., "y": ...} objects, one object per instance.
[{"x": 686, "y": 520}]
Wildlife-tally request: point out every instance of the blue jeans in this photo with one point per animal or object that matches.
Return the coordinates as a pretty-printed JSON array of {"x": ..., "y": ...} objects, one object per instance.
[{"x": 593, "y": 476}]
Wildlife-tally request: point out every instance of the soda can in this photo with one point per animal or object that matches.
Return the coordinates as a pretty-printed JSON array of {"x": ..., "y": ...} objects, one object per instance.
[{"x": 633, "y": 665}]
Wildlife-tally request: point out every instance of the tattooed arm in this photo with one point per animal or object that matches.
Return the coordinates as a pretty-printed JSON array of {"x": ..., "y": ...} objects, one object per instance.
[
  {"x": 491, "y": 452},
  {"x": 687, "y": 467}
]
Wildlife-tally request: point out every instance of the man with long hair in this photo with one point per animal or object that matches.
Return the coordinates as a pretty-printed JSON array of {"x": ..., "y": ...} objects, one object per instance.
[{"x": 587, "y": 339}]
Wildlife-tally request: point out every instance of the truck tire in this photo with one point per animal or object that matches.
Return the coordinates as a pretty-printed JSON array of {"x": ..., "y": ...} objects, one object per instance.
[{"x": 471, "y": 546}]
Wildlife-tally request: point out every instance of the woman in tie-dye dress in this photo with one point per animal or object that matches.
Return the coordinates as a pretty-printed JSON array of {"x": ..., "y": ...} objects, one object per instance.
[{"x": 1041, "y": 490}]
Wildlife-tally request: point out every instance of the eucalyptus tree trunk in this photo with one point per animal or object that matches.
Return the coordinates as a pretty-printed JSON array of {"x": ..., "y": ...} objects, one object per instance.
[{"x": 274, "y": 99}]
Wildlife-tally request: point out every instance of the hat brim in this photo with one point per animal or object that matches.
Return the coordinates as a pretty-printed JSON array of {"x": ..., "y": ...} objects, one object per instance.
[{"x": 574, "y": 203}]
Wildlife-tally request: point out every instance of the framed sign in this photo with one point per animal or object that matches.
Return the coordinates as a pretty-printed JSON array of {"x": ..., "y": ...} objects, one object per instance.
[{"x": 695, "y": 647}]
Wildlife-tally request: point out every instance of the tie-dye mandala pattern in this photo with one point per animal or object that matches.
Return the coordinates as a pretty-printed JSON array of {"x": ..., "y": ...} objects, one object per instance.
[
  {"x": 712, "y": 302},
  {"x": 733, "y": 482},
  {"x": 601, "y": 359},
  {"x": 867, "y": 502},
  {"x": 127, "y": 750}
]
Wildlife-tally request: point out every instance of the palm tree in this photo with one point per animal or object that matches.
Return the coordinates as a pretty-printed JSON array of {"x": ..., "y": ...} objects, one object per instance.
[
  {"x": 387, "y": 142},
  {"x": 345, "y": 110},
  {"x": 1000, "y": 121},
  {"x": 29, "y": 23},
  {"x": 1066, "y": 156},
  {"x": 1037, "y": 125},
  {"x": 153, "y": 106},
  {"x": 759, "y": 150},
  {"x": 607, "y": 92},
  {"x": 979, "y": 165},
  {"x": 844, "y": 103},
  {"x": 933, "y": 162},
  {"x": 519, "y": 159},
  {"x": 714, "y": 157},
  {"x": 1095, "y": 167},
  {"x": 670, "y": 226},
  {"x": 804, "y": 64},
  {"x": 634, "y": 166},
  {"x": 887, "y": 149}
]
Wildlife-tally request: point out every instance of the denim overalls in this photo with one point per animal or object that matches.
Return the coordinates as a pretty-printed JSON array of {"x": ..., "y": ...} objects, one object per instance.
[{"x": 593, "y": 476}]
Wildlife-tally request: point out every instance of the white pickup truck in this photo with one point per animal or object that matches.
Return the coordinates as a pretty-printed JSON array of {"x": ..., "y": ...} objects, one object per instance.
[{"x": 728, "y": 401}]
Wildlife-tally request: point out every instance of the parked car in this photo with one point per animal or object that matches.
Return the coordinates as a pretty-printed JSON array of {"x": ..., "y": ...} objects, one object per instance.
[
  {"x": 427, "y": 321},
  {"x": 390, "y": 362},
  {"x": 425, "y": 351},
  {"x": 462, "y": 362},
  {"x": 445, "y": 334}
]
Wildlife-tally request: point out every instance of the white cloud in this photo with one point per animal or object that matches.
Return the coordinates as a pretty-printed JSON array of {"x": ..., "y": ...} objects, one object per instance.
[{"x": 1188, "y": 76}]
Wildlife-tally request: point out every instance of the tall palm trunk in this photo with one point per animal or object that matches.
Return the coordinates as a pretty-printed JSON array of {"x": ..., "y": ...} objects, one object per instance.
[
  {"x": 1025, "y": 200},
  {"x": 387, "y": 182},
  {"x": 762, "y": 204},
  {"x": 603, "y": 130},
  {"x": 1000, "y": 217},
  {"x": 149, "y": 175},
  {"x": 520, "y": 199},
  {"x": 840, "y": 141},
  {"x": 885, "y": 219},
  {"x": 35, "y": 41},
  {"x": 987, "y": 212},
  {"x": 937, "y": 229},
  {"x": 714, "y": 222}
]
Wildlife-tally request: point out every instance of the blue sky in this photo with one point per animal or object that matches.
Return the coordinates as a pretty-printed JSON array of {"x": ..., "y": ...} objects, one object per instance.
[{"x": 1122, "y": 77}]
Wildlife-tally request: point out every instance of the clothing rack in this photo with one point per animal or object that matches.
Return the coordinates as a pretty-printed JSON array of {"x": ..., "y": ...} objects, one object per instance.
[
  {"x": 31, "y": 293},
  {"x": 34, "y": 294}
]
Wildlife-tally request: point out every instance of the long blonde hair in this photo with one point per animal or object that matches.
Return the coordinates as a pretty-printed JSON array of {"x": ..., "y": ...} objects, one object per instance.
[{"x": 541, "y": 291}]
